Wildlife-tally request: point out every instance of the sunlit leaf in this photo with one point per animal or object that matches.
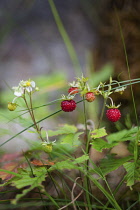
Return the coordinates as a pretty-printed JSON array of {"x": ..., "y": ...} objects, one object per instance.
[
  {"x": 71, "y": 139},
  {"x": 100, "y": 144},
  {"x": 98, "y": 133}
]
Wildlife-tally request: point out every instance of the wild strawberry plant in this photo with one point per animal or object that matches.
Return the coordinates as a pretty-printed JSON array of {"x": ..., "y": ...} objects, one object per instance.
[{"x": 71, "y": 149}]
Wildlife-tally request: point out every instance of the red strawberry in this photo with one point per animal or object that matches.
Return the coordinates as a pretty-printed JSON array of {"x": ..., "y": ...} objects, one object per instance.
[
  {"x": 68, "y": 105},
  {"x": 113, "y": 114},
  {"x": 90, "y": 96},
  {"x": 73, "y": 90}
]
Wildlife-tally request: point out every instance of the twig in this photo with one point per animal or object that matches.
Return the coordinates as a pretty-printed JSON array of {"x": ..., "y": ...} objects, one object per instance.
[{"x": 72, "y": 196}]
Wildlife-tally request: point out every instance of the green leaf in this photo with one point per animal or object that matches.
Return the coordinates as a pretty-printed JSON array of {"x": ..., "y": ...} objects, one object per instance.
[
  {"x": 98, "y": 133},
  {"x": 66, "y": 129},
  {"x": 100, "y": 144},
  {"x": 71, "y": 139},
  {"x": 28, "y": 180},
  {"x": 124, "y": 135},
  {"x": 133, "y": 172},
  {"x": 69, "y": 164},
  {"x": 81, "y": 159},
  {"x": 111, "y": 164}
]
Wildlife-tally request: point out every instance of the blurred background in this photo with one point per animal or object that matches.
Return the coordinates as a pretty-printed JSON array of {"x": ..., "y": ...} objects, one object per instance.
[
  {"x": 30, "y": 42},
  {"x": 31, "y": 46}
]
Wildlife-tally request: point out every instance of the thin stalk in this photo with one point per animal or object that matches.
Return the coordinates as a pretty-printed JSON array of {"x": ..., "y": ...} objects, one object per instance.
[
  {"x": 84, "y": 189},
  {"x": 86, "y": 180},
  {"x": 115, "y": 191},
  {"x": 104, "y": 178},
  {"x": 65, "y": 37},
  {"x": 54, "y": 183},
  {"x": 132, "y": 93},
  {"x": 102, "y": 113},
  {"x": 30, "y": 127},
  {"x": 32, "y": 116},
  {"x": 108, "y": 196},
  {"x": 132, "y": 83},
  {"x": 52, "y": 199}
]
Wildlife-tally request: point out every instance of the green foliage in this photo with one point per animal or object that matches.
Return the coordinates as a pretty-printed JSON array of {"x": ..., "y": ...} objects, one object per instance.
[
  {"x": 124, "y": 135},
  {"x": 71, "y": 139},
  {"x": 28, "y": 179},
  {"x": 112, "y": 139},
  {"x": 100, "y": 144},
  {"x": 111, "y": 163},
  {"x": 69, "y": 164},
  {"x": 67, "y": 136},
  {"x": 133, "y": 172},
  {"x": 98, "y": 133}
]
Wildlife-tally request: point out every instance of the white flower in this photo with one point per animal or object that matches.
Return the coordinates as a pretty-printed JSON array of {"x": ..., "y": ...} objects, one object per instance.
[
  {"x": 74, "y": 84},
  {"x": 120, "y": 90},
  {"x": 18, "y": 91},
  {"x": 28, "y": 85}
]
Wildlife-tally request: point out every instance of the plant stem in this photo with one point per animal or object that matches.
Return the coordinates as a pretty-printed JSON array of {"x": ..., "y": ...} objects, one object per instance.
[
  {"x": 86, "y": 180},
  {"x": 32, "y": 115},
  {"x": 102, "y": 113},
  {"x": 132, "y": 93},
  {"x": 65, "y": 37}
]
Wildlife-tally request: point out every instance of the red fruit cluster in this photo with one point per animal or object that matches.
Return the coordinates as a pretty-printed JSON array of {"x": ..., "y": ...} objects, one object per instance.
[
  {"x": 73, "y": 90},
  {"x": 113, "y": 114},
  {"x": 68, "y": 105},
  {"x": 90, "y": 96}
]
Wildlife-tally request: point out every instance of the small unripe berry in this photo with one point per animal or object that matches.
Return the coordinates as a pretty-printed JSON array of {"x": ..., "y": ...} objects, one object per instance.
[
  {"x": 90, "y": 96},
  {"x": 12, "y": 106},
  {"x": 47, "y": 147}
]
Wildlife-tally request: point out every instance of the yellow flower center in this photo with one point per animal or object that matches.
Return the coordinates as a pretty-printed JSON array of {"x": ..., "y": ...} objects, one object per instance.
[{"x": 28, "y": 84}]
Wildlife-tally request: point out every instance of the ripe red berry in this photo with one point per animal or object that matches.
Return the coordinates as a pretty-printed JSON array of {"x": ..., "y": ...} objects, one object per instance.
[
  {"x": 73, "y": 90},
  {"x": 113, "y": 114},
  {"x": 68, "y": 105},
  {"x": 90, "y": 96}
]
